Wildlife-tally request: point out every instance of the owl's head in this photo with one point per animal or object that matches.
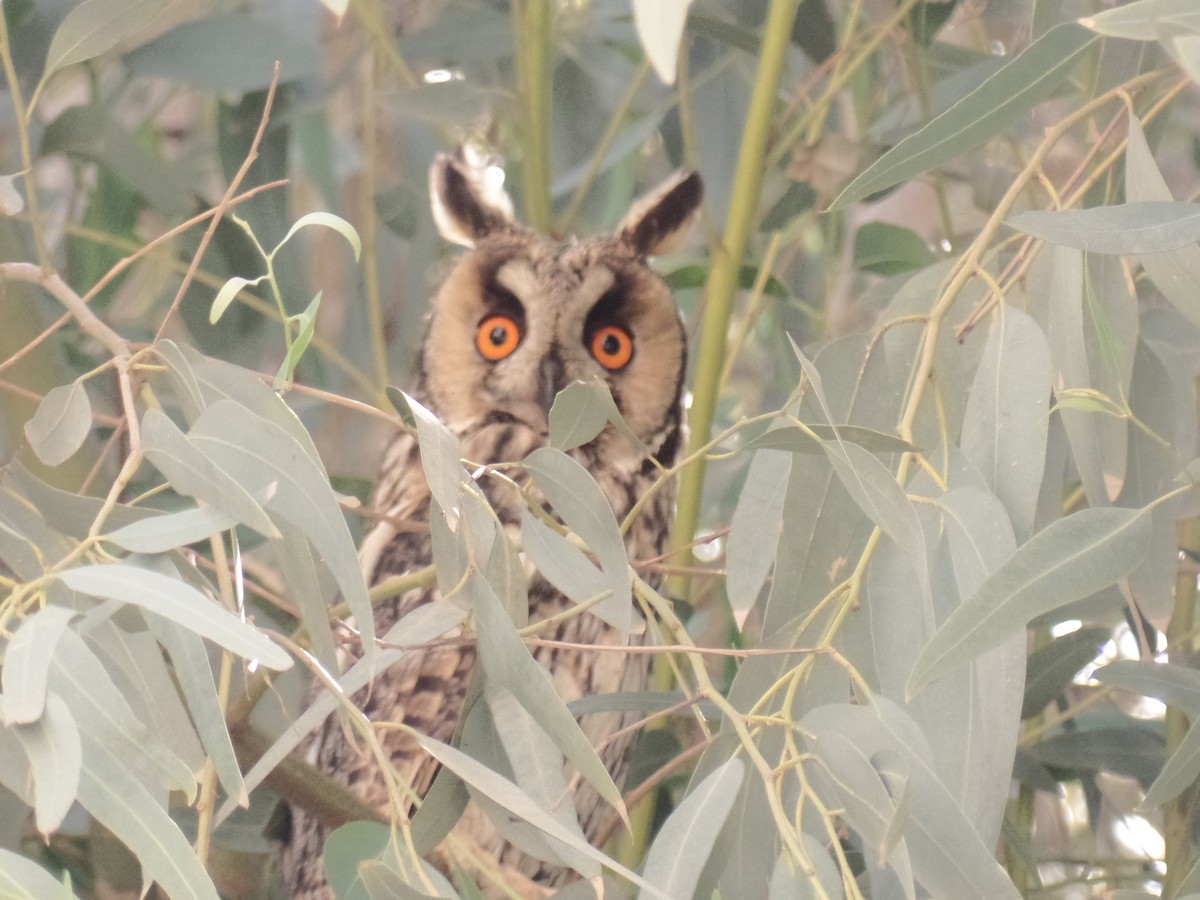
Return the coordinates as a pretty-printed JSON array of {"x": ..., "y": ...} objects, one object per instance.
[{"x": 522, "y": 315}]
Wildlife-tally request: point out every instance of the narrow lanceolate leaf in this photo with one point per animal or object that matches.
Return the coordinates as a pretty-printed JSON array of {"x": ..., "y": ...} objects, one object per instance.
[
  {"x": 23, "y": 879},
  {"x": 1032, "y": 76},
  {"x": 441, "y": 456},
  {"x": 577, "y": 498},
  {"x": 520, "y": 804},
  {"x": 878, "y": 494},
  {"x": 508, "y": 664},
  {"x": 686, "y": 839},
  {"x": 227, "y": 294},
  {"x": 55, "y": 756},
  {"x": 559, "y": 561},
  {"x": 1005, "y": 425},
  {"x": 659, "y": 26},
  {"x": 306, "y": 326},
  {"x": 798, "y": 440},
  {"x": 1052, "y": 667},
  {"x": 96, "y": 26},
  {"x": 754, "y": 529},
  {"x": 1141, "y": 21},
  {"x": 330, "y": 221},
  {"x": 1069, "y": 560},
  {"x": 27, "y": 663},
  {"x": 1148, "y": 226},
  {"x": 159, "y": 534},
  {"x": 1177, "y": 273},
  {"x": 180, "y": 602},
  {"x": 119, "y": 802},
  {"x": 61, "y": 423},
  {"x": 1172, "y": 684}
]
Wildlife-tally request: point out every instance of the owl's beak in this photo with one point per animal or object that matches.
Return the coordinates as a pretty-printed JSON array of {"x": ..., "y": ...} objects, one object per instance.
[{"x": 550, "y": 381}]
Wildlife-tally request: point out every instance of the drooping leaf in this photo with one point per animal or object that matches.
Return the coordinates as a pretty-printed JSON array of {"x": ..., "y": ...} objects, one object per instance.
[
  {"x": 886, "y": 249},
  {"x": 683, "y": 844},
  {"x": 1070, "y": 559},
  {"x": 55, "y": 756},
  {"x": 1031, "y": 77},
  {"x": 330, "y": 221},
  {"x": 27, "y": 663},
  {"x": 61, "y": 424},
  {"x": 180, "y": 602}
]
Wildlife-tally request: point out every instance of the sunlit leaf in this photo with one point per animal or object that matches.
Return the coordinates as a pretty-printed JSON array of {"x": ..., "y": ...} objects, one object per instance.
[
  {"x": 330, "y": 221},
  {"x": 1173, "y": 684},
  {"x": 226, "y": 295},
  {"x": 61, "y": 423},
  {"x": 1070, "y": 559},
  {"x": 1141, "y": 20}
]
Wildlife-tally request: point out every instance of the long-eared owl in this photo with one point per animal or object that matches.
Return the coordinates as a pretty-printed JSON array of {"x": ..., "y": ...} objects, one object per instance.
[{"x": 518, "y": 318}]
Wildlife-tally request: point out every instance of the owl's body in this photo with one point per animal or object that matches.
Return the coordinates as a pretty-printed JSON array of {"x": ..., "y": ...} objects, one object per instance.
[{"x": 519, "y": 317}]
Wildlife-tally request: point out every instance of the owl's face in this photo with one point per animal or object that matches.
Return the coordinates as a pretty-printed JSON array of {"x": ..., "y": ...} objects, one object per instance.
[{"x": 521, "y": 315}]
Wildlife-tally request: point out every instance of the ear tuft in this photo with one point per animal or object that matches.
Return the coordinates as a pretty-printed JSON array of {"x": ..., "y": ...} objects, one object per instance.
[
  {"x": 465, "y": 208},
  {"x": 659, "y": 221}
]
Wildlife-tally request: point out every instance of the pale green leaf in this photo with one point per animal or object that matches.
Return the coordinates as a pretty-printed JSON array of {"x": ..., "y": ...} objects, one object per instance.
[
  {"x": 1147, "y": 226},
  {"x": 1005, "y": 425},
  {"x": 180, "y": 602},
  {"x": 119, "y": 801},
  {"x": 159, "y": 534},
  {"x": 1031, "y": 77},
  {"x": 1067, "y": 561},
  {"x": 1051, "y": 668},
  {"x": 23, "y": 879},
  {"x": 61, "y": 423},
  {"x": 754, "y": 529},
  {"x": 560, "y": 562},
  {"x": 683, "y": 844},
  {"x": 580, "y": 503},
  {"x": 788, "y": 882},
  {"x": 307, "y": 325},
  {"x": 11, "y": 201},
  {"x": 95, "y": 27},
  {"x": 27, "y": 663},
  {"x": 579, "y": 414},
  {"x": 193, "y": 474},
  {"x": 327, "y": 220},
  {"x": 659, "y": 26},
  {"x": 797, "y": 440},
  {"x": 878, "y": 494},
  {"x": 441, "y": 456},
  {"x": 225, "y": 296},
  {"x": 1141, "y": 20},
  {"x": 508, "y": 664},
  {"x": 55, "y": 756},
  {"x": 1173, "y": 684}
]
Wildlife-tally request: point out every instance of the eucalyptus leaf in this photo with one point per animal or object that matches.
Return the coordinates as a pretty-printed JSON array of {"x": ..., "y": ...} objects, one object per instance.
[
  {"x": 1147, "y": 226},
  {"x": 1173, "y": 684},
  {"x": 1067, "y": 561},
  {"x": 61, "y": 424},
  {"x": 55, "y": 755},
  {"x": 95, "y": 27},
  {"x": 756, "y": 521},
  {"x": 159, "y": 534},
  {"x": 23, "y": 879},
  {"x": 1052, "y": 667},
  {"x": 27, "y": 663}
]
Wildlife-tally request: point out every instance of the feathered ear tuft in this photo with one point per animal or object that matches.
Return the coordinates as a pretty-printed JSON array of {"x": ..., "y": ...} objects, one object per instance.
[
  {"x": 657, "y": 222},
  {"x": 465, "y": 208}
]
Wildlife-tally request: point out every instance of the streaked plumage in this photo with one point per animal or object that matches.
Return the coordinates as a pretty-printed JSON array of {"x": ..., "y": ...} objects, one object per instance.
[{"x": 518, "y": 318}]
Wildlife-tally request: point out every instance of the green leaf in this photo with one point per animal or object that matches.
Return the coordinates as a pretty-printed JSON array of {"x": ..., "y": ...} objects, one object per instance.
[
  {"x": 878, "y": 494},
  {"x": 577, "y": 498},
  {"x": 1175, "y": 273},
  {"x": 193, "y": 474},
  {"x": 886, "y": 249},
  {"x": 158, "y": 534},
  {"x": 659, "y": 26},
  {"x": 55, "y": 756},
  {"x": 560, "y": 562},
  {"x": 580, "y": 412},
  {"x": 754, "y": 530},
  {"x": 685, "y": 841},
  {"x": 797, "y": 440},
  {"x": 180, "y": 602},
  {"x": 1031, "y": 77},
  {"x": 1173, "y": 684},
  {"x": 382, "y": 883},
  {"x": 27, "y": 663},
  {"x": 23, "y": 879},
  {"x": 61, "y": 424},
  {"x": 345, "y": 848},
  {"x": 95, "y": 27},
  {"x": 225, "y": 296},
  {"x": 1005, "y": 425},
  {"x": 326, "y": 220},
  {"x": 1051, "y": 668},
  {"x": 1179, "y": 773},
  {"x": 441, "y": 455},
  {"x": 119, "y": 802},
  {"x": 1142, "y": 20},
  {"x": 697, "y": 276},
  {"x": 789, "y": 883},
  {"x": 1133, "y": 750},
  {"x": 307, "y": 322},
  {"x": 1067, "y": 561},
  {"x": 508, "y": 664},
  {"x": 1148, "y": 226}
]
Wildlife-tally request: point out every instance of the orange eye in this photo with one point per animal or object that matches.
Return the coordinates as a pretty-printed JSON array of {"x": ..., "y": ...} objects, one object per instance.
[
  {"x": 497, "y": 337},
  {"x": 612, "y": 347}
]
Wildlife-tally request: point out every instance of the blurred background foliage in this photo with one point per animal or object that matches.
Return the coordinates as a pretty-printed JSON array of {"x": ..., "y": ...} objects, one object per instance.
[{"x": 854, "y": 200}]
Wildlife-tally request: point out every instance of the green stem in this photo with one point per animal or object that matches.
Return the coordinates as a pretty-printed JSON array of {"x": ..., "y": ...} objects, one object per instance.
[
  {"x": 723, "y": 279},
  {"x": 533, "y": 42},
  {"x": 1178, "y": 821}
]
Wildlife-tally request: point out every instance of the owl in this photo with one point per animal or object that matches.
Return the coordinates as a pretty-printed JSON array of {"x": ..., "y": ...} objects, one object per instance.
[{"x": 518, "y": 318}]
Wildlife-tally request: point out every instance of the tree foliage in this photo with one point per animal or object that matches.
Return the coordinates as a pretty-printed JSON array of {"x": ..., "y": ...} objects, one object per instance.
[{"x": 929, "y": 623}]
